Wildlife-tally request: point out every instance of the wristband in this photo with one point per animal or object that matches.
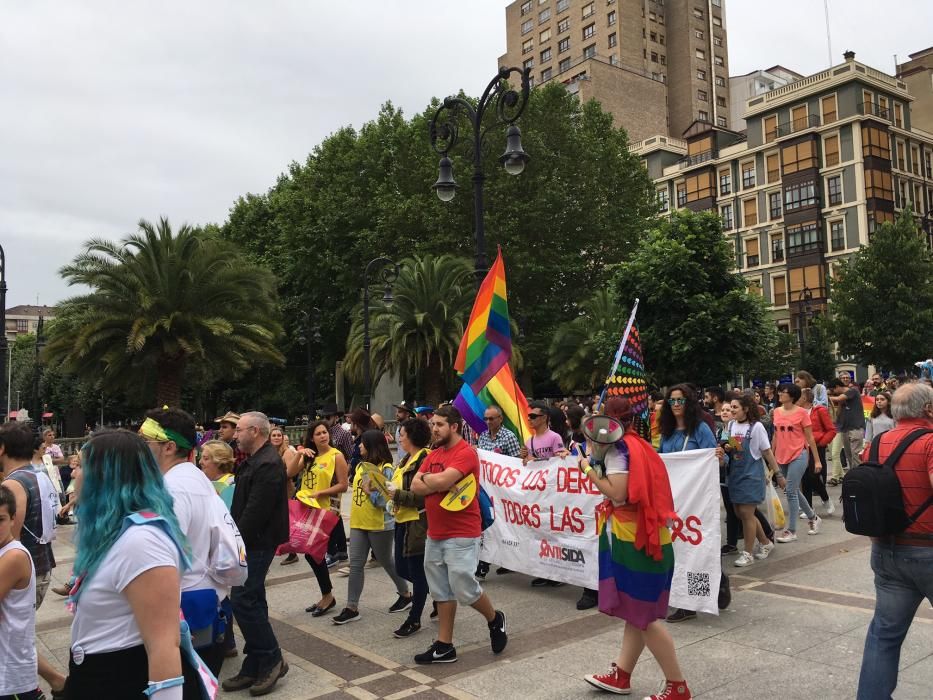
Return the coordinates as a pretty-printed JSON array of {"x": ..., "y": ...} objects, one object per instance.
[
  {"x": 587, "y": 470},
  {"x": 169, "y": 683}
]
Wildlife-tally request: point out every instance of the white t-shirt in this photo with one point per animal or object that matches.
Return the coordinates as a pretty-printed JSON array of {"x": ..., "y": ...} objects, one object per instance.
[
  {"x": 194, "y": 496},
  {"x": 758, "y": 441},
  {"x": 18, "y": 633},
  {"x": 103, "y": 618}
]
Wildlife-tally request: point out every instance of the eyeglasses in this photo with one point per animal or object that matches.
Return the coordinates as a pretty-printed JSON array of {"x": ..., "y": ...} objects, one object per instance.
[
  {"x": 535, "y": 416},
  {"x": 676, "y": 402},
  {"x": 489, "y": 419}
]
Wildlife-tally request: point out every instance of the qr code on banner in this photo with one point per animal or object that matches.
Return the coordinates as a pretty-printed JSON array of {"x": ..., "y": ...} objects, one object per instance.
[{"x": 698, "y": 584}]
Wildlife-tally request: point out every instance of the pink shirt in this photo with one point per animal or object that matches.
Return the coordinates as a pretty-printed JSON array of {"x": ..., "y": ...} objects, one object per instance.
[
  {"x": 788, "y": 434},
  {"x": 544, "y": 446}
]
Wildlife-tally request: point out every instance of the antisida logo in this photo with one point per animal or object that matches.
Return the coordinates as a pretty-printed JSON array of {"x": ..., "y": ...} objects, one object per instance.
[{"x": 549, "y": 551}]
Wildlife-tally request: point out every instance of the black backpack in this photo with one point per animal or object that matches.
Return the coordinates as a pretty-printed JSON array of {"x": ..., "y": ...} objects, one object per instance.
[{"x": 872, "y": 501}]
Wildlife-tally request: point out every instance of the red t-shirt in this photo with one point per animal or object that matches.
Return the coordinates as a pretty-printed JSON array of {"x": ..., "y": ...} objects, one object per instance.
[
  {"x": 445, "y": 524},
  {"x": 913, "y": 469}
]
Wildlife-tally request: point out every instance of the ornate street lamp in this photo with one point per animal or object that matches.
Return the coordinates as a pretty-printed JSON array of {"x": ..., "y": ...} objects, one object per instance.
[
  {"x": 4, "y": 397},
  {"x": 389, "y": 273},
  {"x": 803, "y": 318},
  {"x": 310, "y": 335},
  {"x": 508, "y": 105}
]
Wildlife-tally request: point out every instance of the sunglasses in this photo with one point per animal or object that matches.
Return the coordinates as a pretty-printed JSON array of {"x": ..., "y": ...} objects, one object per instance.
[
  {"x": 535, "y": 416},
  {"x": 489, "y": 419},
  {"x": 676, "y": 402}
]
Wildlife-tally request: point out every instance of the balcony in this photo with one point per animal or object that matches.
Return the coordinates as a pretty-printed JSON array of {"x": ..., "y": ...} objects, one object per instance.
[
  {"x": 695, "y": 159},
  {"x": 801, "y": 124},
  {"x": 873, "y": 109}
]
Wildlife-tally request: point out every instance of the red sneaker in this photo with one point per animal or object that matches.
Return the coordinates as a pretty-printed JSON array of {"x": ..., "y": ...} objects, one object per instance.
[
  {"x": 675, "y": 690},
  {"x": 615, "y": 681}
]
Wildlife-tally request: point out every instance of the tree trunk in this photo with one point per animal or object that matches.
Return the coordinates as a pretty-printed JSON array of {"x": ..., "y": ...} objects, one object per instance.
[
  {"x": 433, "y": 382},
  {"x": 170, "y": 371}
]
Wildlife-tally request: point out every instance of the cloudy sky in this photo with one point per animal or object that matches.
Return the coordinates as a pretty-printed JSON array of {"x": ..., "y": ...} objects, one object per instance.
[{"x": 112, "y": 111}]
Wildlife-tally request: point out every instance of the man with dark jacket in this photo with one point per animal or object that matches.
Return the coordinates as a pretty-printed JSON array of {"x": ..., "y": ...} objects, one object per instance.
[{"x": 260, "y": 510}]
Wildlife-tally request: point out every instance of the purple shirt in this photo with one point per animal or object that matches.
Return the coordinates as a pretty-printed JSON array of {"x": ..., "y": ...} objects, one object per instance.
[{"x": 544, "y": 446}]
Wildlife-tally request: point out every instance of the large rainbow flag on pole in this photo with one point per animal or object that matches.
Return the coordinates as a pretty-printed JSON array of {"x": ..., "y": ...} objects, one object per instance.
[
  {"x": 628, "y": 379},
  {"x": 483, "y": 359}
]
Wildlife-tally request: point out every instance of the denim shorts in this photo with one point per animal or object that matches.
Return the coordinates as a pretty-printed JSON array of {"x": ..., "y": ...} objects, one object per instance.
[{"x": 450, "y": 567}]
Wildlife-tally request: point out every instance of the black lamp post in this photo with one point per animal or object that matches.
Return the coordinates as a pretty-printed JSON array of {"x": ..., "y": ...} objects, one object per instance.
[
  {"x": 310, "y": 334},
  {"x": 40, "y": 344},
  {"x": 508, "y": 105},
  {"x": 802, "y": 320},
  {"x": 926, "y": 225},
  {"x": 4, "y": 399},
  {"x": 389, "y": 274}
]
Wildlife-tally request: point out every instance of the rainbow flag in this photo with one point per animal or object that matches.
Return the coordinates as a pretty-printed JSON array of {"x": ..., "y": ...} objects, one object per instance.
[
  {"x": 628, "y": 378},
  {"x": 483, "y": 359}
]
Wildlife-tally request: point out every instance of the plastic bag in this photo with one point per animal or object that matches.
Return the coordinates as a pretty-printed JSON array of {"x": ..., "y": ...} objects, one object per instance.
[{"x": 772, "y": 507}]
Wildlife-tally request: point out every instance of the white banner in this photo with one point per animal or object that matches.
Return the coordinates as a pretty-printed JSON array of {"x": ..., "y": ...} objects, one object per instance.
[{"x": 545, "y": 523}]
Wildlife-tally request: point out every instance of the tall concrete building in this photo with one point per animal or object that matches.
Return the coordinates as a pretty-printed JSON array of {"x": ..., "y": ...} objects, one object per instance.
[
  {"x": 744, "y": 87},
  {"x": 655, "y": 65},
  {"x": 917, "y": 74}
]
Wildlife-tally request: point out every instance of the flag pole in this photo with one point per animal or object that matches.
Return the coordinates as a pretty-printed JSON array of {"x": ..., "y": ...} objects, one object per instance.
[
  {"x": 618, "y": 357},
  {"x": 521, "y": 423}
]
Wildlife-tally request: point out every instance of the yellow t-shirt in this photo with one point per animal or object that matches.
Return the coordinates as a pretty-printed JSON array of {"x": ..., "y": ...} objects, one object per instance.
[
  {"x": 405, "y": 514},
  {"x": 364, "y": 514},
  {"x": 317, "y": 476}
]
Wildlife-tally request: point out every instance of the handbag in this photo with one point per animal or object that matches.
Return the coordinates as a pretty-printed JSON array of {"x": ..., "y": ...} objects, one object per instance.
[
  {"x": 308, "y": 530},
  {"x": 227, "y": 562}
]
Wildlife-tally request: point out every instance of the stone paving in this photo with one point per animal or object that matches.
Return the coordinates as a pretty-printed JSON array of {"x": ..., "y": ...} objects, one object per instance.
[{"x": 795, "y": 629}]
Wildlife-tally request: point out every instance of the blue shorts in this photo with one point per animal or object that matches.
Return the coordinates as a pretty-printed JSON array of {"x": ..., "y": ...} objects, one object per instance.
[{"x": 450, "y": 567}]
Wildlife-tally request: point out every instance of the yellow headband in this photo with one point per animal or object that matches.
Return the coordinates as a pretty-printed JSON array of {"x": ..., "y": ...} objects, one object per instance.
[{"x": 151, "y": 429}]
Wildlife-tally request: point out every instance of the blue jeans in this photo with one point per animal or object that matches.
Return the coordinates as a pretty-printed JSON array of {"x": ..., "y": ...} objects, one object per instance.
[
  {"x": 903, "y": 578},
  {"x": 794, "y": 473},
  {"x": 252, "y": 616}
]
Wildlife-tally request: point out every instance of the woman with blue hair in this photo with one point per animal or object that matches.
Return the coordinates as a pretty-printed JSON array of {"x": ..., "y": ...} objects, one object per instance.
[{"x": 126, "y": 594}]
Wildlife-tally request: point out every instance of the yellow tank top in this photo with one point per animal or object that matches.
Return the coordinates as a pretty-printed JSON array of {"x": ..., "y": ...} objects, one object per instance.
[
  {"x": 317, "y": 476},
  {"x": 363, "y": 514},
  {"x": 405, "y": 514}
]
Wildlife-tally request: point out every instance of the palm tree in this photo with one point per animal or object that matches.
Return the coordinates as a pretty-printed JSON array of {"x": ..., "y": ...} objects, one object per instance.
[
  {"x": 422, "y": 329},
  {"x": 162, "y": 302},
  {"x": 581, "y": 351}
]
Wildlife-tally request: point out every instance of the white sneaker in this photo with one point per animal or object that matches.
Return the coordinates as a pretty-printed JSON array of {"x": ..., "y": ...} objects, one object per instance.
[
  {"x": 830, "y": 507},
  {"x": 744, "y": 559},
  {"x": 786, "y": 536},
  {"x": 803, "y": 515},
  {"x": 815, "y": 526},
  {"x": 763, "y": 550}
]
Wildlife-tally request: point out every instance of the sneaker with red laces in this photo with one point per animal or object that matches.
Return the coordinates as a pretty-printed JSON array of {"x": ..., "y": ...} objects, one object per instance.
[
  {"x": 615, "y": 681},
  {"x": 673, "y": 690}
]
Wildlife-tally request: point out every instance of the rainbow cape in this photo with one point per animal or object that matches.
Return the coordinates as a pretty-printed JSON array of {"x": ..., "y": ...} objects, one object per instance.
[{"x": 483, "y": 359}]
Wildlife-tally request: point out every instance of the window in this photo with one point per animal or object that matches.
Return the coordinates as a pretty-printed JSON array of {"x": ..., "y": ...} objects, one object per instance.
[
  {"x": 725, "y": 182},
  {"x": 700, "y": 186},
  {"x": 750, "y": 212},
  {"x": 701, "y": 54},
  {"x": 774, "y": 205},
  {"x": 898, "y": 115},
  {"x": 654, "y": 56},
  {"x": 654, "y": 37},
  {"x": 721, "y": 121},
  {"x": 751, "y": 252},
  {"x": 563, "y": 45},
  {"x": 701, "y": 74},
  {"x": 613, "y": 40},
  {"x": 720, "y": 101},
  {"x": 802, "y": 238},
  {"x": 798, "y": 117},
  {"x": 777, "y": 247},
  {"x": 701, "y": 95},
  {"x": 652, "y": 16},
  {"x": 725, "y": 212},
  {"x": 798, "y": 157},
  {"x": 544, "y": 36},
  {"x": 717, "y": 21},
  {"x": 717, "y": 3},
  {"x": 544, "y": 15},
  {"x": 720, "y": 81},
  {"x": 661, "y": 39},
  {"x": 589, "y": 31},
  {"x": 546, "y": 74},
  {"x": 779, "y": 293},
  {"x": 613, "y": 59},
  {"x": 718, "y": 61},
  {"x": 803, "y": 278},
  {"x": 802, "y": 194},
  {"x": 830, "y": 151},
  {"x": 773, "y": 163},
  {"x": 589, "y": 51},
  {"x": 663, "y": 60},
  {"x": 834, "y": 190},
  {"x": 562, "y": 5},
  {"x": 22, "y": 325},
  {"x": 875, "y": 142},
  {"x": 611, "y": 18},
  {"x": 546, "y": 55},
  {"x": 664, "y": 199},
  {"x": 901, "y": 155},
  {"x": 563, "y": 65},
  {"x": 697, "y": 33},
  {"x": 681, "y": 194},
  {"x": 837, "y": 235},
  {"x": 828, "y": 107},
  {"x": 703, "y": 116},
  {"x": 698, "y": 13},
  {"x": 526, "y": 7},
  {"x": 915, "y": 160},
  {"x": 527, "y": 26},
  {"x": 770, "y": 127},
  {"x": 748, "y": 174},
  {"x": 588, "y": 10},
  {"x": 879, "y": 183},
  {"x": 579, "y": 76},
  {"x": 717, "y": 41},
  {"x": 528, "y": 45},
  {"x": 529, "y": 63},
  {"x": 563, "y": 25}
]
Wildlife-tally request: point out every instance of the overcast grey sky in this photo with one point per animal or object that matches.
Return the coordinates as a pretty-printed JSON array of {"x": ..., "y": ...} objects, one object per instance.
[{"x": 112, "y": 111}]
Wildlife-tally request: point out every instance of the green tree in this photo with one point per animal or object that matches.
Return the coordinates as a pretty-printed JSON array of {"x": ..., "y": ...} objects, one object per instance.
[
  {"x": 581, "y": 352},
  {"x": 817, "y": 356},
  {"x": 697, "y": 319},
  {"x": 422, "y": 328},
  {"x": 161, "y": 303},
  {"x": 882, "y": 298}
]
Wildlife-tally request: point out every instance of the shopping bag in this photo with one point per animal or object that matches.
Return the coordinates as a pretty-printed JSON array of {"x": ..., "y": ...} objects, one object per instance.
[
  {"x": 309, "y": 530},
  {"x": 772, "y": 506}
]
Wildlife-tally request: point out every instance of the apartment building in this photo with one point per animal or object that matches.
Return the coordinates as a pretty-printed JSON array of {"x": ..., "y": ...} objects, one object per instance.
[
  {"x": 744, "y": 87},
  {"x": 655, "y": 65},
  {"x": 823, "y": 161},
  {"x": 917, "y": 74},
  {"x": 25, "y": 318}
]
